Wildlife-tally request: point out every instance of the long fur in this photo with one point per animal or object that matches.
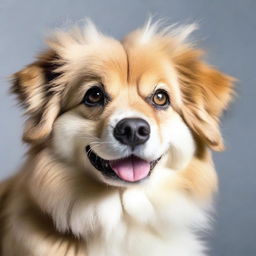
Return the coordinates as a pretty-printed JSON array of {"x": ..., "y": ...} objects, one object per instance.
[{"x": 57, "y": 204}]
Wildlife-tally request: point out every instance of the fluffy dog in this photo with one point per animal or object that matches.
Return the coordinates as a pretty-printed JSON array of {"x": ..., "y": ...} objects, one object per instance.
[{"x": 119, "y": 136}]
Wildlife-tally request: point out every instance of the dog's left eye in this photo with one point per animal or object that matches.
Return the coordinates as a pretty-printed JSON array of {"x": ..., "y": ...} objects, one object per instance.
[
  {"x": 94, "y": 97},
  {"x": 161, "y": 99}
]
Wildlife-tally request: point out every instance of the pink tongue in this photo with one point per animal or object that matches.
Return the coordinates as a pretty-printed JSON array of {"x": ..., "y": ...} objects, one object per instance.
[{"x": 131, "y": 169}]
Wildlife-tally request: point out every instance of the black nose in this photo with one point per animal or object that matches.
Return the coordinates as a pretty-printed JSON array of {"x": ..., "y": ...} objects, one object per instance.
[{"x": 132, "y": 131}]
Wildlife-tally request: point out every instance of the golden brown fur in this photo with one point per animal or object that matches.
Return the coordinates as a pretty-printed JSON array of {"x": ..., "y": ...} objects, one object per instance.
[{"x": 30, "y": 223}]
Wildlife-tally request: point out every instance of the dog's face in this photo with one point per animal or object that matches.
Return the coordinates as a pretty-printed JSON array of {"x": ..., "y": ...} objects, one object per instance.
[
  {"x": 113, "y": 109},
  {"x": 121, "y": 120}
]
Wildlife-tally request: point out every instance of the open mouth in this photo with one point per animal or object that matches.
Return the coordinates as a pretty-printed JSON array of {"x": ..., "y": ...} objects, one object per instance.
[{"x": 130, "y": 169}]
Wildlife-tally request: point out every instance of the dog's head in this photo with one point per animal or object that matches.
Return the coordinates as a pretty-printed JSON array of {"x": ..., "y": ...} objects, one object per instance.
[{"x": 112, "y": 109}]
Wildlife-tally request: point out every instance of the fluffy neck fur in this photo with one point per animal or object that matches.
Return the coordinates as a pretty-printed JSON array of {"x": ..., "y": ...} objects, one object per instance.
[{"x": 155, "y": 219}]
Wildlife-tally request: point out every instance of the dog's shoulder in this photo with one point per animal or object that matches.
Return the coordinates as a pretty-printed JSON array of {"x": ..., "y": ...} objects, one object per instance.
[{"x": 5, "y": 190}]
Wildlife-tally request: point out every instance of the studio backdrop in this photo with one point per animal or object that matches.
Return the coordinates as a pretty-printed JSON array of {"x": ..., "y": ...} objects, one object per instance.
[{"x": 227, "y": 32}]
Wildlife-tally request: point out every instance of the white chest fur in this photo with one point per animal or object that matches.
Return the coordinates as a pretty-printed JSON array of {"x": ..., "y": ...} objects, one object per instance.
[{"x": 140, "y": 221}]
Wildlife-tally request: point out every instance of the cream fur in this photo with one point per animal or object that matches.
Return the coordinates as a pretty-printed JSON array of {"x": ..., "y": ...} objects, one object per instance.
[
  {"x": 136, "y": 221},
  {"x": 59, "y": 204}
]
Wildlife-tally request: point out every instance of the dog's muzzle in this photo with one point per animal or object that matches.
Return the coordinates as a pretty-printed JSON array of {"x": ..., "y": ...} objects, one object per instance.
[{"x": 131, "y": 132}]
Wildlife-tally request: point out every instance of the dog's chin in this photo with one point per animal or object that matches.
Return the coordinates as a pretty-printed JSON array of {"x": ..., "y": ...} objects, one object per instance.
[{"x": 122, "y": 172}]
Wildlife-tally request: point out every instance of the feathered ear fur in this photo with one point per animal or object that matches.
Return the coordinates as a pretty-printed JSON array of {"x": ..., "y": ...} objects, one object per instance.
[
  {"x": 206, "y": 93},
  {"x": 37, "y": 95},
  {"x": 39, "y": 85}
]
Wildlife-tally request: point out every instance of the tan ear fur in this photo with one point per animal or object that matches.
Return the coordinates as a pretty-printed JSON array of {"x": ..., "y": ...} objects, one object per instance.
[
  {"x": 206, "y": 93},
  {"x": 41, "y": 101},
  {"x": 38, "y": 132}
]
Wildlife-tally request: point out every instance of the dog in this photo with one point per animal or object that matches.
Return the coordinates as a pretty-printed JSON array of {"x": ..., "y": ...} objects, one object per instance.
[{"x": 120, "y": 135}]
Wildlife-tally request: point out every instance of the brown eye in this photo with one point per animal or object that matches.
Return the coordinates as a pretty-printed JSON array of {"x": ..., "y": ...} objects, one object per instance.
[
  {"x": 161, "y": 98},
  {"x": 94, "y": 96}
]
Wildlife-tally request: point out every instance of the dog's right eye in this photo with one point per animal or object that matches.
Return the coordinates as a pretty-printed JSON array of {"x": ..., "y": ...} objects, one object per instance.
[{"x": 94, "y": 97}]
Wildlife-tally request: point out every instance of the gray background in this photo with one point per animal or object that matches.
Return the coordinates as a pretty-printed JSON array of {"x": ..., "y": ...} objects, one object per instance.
[{"x": 227, "y": 32}]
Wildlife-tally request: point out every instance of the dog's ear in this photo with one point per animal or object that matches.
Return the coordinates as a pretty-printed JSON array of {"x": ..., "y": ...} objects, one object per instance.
[
  {"x": 36, "y": 93},
  {"x": 206, "y": 93}
]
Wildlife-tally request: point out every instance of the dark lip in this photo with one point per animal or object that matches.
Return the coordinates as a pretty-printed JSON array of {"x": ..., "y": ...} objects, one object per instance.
[{"x": 104, "y": 167}]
